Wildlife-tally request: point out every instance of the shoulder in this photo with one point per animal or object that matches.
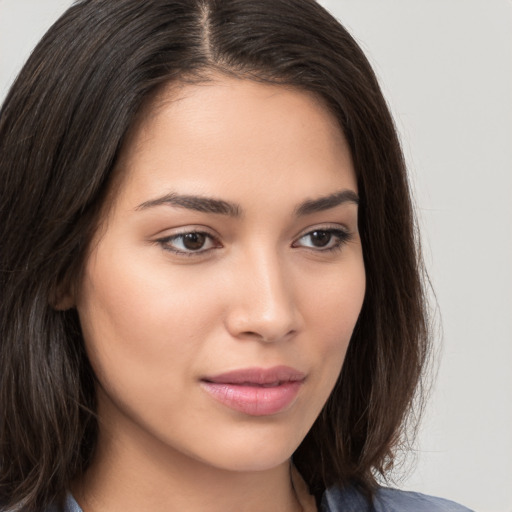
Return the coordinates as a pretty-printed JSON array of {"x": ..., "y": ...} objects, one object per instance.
[
  {"x": 386, "y": 500},
  {"x": 395, "y": 500},
  {"x": 69, "y": 505}
]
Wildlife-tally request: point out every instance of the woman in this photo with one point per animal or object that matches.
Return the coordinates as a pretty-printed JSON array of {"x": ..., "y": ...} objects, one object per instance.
[{"x": 212, "y": 289}]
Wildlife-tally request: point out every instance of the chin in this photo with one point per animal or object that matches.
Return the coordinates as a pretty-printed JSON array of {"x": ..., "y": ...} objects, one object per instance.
[
  {"x": 256, "y": 451},
  {"x": 252, "y": 461}
]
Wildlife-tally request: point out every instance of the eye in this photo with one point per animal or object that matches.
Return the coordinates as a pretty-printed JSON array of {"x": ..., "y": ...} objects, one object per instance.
[
  {"x": 189, "y": 243},
  {"x": 323, "y": 239}
]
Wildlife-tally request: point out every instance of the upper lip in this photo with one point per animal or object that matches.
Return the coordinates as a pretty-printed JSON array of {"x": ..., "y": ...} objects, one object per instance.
[{"x": 258, "y": 376}]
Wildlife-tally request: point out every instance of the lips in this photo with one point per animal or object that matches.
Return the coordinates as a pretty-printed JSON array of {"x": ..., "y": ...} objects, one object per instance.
[{"x": 256, "y": 391}]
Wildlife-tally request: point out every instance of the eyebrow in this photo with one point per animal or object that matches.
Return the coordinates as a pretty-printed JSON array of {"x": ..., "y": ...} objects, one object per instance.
[
  {"x": 198, "y": 203},
  {"x": 326, "y": 202},
  {"x": 221, "y": 207}
]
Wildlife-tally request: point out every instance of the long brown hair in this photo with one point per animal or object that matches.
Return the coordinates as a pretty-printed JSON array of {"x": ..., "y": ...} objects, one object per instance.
[{"x": 61, "y": 129}]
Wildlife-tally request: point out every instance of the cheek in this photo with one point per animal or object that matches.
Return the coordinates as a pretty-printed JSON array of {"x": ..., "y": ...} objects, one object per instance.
[
  {"x": 335, "y": 313},
  {"x": 143, "y": 329},
  {"x": 136, "y": 296},
  {"x": 136, "y": 316},
  {"x": 334, "y": 304}
]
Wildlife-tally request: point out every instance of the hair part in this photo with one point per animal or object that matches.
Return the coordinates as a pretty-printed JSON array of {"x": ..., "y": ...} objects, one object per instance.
[{"x": 62, "y": 129}]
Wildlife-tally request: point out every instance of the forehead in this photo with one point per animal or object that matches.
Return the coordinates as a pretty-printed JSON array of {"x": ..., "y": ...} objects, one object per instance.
[{"x": 212, "y": 135}]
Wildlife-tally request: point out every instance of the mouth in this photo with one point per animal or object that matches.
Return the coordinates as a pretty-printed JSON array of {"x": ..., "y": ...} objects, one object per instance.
[{"x": 256, "y": 391}]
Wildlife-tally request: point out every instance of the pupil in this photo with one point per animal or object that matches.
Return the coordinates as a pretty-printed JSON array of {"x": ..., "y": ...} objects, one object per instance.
[
  {"x": 320, "y": 238},
  {"x": 193, "y": 241}
]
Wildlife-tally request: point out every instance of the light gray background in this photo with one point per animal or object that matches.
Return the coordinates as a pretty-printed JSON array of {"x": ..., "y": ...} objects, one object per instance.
[{"x": 446, "y": 69}]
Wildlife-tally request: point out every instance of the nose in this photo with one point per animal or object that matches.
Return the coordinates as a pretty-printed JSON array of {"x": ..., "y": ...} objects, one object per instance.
[{"x": 263, "y": 306}]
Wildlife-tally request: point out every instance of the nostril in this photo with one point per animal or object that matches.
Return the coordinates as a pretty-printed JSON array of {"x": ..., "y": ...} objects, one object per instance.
[
  {"x": 263, "y": 322},
  {"x": 268, "y": 337}
]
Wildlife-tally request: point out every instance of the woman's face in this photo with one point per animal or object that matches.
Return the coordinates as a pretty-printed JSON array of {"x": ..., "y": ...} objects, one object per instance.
[{"x": 222, "y": 288}]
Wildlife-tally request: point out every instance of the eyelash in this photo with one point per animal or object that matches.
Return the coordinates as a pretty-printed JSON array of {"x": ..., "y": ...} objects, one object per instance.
[
  {"x": 341, "y": 235},
  {"x": 164, "y": 242}
]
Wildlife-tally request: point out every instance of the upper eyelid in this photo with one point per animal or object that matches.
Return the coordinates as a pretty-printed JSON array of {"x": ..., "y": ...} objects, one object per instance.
[
  {"x": 323, "y": 227},
  {"x": 217, "y": 239},
  {"x": 190, "y": 231},
  {"x": 206, "y": 231},
  {"x": 187, "y": 228},
  {"x": 346, "y": 232},
  {"x": 170, "y": 233}
]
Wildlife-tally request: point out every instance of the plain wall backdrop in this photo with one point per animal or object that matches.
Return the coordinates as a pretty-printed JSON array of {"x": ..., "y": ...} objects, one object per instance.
[{"x": 446, "y": 69}]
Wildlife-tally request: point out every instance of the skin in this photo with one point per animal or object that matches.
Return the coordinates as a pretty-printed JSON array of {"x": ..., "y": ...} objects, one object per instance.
[{"x": 259, "y": 293}]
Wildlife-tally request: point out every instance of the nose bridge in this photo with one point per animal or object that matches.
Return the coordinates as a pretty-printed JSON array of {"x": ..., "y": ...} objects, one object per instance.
[{"x": 266, "y": 304}]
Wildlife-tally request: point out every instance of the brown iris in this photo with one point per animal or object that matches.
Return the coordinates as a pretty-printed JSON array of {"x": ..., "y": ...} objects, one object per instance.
[
  {"x": 194, "y": 241},
  {"x": 320, "y": 238}
]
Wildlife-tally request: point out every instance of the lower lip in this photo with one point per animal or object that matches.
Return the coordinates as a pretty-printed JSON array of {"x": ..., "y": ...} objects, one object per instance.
[{"x": 252, "y": 399}]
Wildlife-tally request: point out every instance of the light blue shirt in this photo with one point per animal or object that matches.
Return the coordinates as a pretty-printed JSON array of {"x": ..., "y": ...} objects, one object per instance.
[
  {"x": 386, "y": 500},
  {"x": 349, "y": 500}
]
